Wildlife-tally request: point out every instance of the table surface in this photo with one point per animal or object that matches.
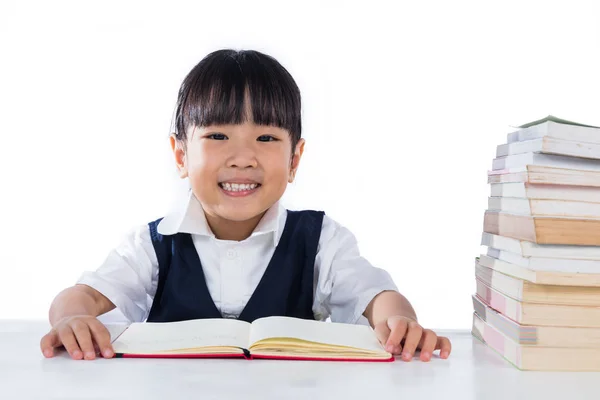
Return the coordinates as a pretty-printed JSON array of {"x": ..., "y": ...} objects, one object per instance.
[{"x": 473, "y": 371}]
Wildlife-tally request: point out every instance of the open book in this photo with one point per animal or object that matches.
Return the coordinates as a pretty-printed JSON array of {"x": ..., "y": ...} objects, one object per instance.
[{"x": 271, "y": 337}]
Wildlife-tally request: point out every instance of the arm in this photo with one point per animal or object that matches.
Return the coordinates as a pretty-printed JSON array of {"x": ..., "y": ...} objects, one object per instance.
[
  {"x": 74, "y": 325},
  {"x": 395, "y": 323},
  {"x": 124, "y": 280},
  {"x": 350, "y": 287},
  {"x": 387, "y": 304},
  {"x": 78, "y": 300}
]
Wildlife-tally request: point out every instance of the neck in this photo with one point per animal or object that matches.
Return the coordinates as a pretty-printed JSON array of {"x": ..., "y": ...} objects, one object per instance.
[{"x": 224, "y": 229}]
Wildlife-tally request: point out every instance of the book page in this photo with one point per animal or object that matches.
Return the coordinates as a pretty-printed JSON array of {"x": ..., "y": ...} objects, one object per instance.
[
  {"x": 358, "y": 336},
  {"x": 155, "y": 337}
]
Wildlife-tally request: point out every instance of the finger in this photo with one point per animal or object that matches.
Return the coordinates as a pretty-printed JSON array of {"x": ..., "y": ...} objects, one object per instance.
[
  {"x": 382, "y": 332},
  {"x": 84, "y": 338},
  {"x": 49, "y": 342},
  {"x": 444, "y": 345},
  {"x": 67, "y": 338},
  {"x": 398, "y": 327},
  {"x": 102, "y": 338},
  {"x": 427, "y": 345},
  {"x": 413, "y": 337}
]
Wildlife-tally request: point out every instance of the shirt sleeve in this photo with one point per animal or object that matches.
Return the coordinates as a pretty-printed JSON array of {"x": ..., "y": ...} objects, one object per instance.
[
  {"x": 129, "y": 275},
  {"x": 345, "y": 281}
]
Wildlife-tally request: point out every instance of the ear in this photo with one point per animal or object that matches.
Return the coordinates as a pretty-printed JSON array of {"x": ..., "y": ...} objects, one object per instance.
[
  {"x": 296, "y": 159},
  {"x": 179, "y": 152}
]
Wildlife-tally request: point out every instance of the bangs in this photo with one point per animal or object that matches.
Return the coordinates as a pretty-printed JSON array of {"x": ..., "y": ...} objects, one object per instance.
[{"x": 231, "y": 87}]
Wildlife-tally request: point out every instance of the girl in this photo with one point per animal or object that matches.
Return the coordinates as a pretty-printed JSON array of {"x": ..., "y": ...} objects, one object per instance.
[{"x": 232, "y": 250}]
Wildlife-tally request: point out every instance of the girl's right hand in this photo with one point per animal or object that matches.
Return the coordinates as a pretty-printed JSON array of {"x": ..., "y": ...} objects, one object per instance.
[{"x": 83, "y": 336}]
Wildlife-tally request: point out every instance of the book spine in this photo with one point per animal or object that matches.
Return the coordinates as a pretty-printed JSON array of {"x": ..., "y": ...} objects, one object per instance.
[{"x": 247, "y": 354}]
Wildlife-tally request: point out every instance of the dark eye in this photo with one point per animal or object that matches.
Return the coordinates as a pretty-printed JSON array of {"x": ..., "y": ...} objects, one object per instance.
[
  {"x": 266, "y": 138},
  {"x": 216, "y": 136}
]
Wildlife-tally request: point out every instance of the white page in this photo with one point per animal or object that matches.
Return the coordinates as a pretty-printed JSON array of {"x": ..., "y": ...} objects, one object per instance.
[
  {"x": 156, "y": 336},
  {"x": 359, "y": 336}
]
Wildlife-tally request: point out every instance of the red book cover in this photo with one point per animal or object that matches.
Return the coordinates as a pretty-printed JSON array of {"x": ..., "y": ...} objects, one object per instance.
[{"x": 248, "y": 356}]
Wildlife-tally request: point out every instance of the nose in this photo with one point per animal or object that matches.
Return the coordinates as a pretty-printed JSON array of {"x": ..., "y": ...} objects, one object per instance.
[{"x": 242, "y": 157}]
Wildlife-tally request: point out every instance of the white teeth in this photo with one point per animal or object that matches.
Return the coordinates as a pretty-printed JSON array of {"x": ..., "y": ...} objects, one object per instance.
[{"x": 238, "y": 187}]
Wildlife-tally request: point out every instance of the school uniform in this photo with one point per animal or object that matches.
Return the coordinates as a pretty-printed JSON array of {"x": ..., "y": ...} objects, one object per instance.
[{"x": 295, "y": 263}]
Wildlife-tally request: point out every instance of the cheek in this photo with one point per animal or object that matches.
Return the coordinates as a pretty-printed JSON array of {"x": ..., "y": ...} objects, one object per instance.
[
  {"x": 277, "y": 167},
  {"x": 201, "y": 168}
]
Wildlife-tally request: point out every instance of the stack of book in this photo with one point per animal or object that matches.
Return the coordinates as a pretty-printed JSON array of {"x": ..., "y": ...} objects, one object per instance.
[{"x": 537, "y": 299}]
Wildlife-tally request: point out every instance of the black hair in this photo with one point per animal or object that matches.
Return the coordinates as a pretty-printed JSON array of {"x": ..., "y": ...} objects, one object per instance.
[{"x": 217, "y": 89}]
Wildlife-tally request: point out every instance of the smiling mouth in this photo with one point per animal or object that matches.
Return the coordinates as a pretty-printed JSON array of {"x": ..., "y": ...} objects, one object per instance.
[{"x": 238, "y": 187}]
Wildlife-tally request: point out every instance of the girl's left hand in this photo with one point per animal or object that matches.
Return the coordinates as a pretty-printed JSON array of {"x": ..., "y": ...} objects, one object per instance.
[{"x": 403, "y": 335}]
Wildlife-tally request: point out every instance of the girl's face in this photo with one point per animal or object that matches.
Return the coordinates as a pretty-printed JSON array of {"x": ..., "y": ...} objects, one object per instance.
[{"x": 237, "y": 172}]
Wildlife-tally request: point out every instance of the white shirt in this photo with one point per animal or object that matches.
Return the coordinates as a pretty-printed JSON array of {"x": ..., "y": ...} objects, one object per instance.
[{"x": 344, "y": 284}]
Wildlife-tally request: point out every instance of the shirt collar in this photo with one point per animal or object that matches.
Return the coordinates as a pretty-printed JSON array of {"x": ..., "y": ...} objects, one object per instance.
[{"x": 189, "y": 218}]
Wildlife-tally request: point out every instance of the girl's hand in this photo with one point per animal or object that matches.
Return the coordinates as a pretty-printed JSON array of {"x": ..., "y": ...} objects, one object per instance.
[
  {"x": 402, "y": 335},
  {"x": 83, "y": 336}
]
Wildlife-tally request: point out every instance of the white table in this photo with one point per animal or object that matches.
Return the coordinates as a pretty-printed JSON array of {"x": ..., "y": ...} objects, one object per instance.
[{"x": 473, "y": 371}]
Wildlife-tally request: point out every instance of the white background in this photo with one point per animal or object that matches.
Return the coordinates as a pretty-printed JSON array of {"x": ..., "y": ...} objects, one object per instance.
[{"x": 403, "y": 107}]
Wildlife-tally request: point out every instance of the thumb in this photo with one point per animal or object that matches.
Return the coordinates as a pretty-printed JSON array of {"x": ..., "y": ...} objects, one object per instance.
[
  {"x": 382, "y": 331},
  {"x": 49, "y": 342}
]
